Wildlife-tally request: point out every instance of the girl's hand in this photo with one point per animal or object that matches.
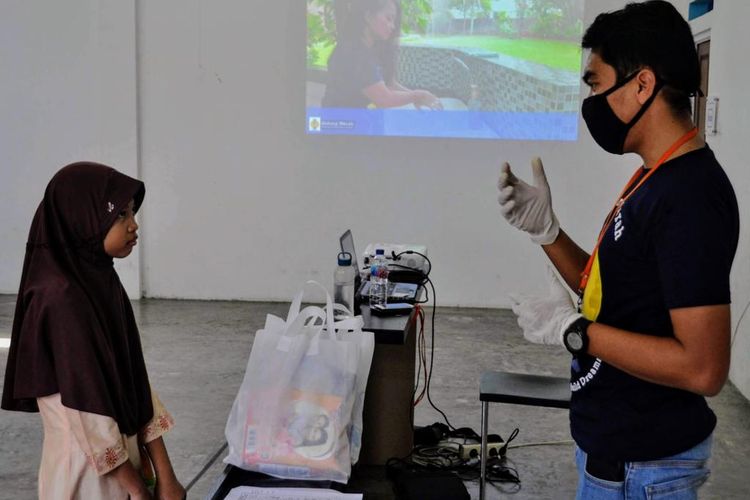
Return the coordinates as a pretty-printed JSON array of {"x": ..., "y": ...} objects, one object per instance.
[
  {"x": 426, "y": 99},
  {"x": 144, "y": 495},
  {"x": 169, "y": 490},
  {"x": 131, "y": 481}
]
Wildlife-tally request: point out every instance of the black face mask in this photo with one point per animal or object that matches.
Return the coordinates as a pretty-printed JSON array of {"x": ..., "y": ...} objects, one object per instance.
[{"x": 605, "y": 127}]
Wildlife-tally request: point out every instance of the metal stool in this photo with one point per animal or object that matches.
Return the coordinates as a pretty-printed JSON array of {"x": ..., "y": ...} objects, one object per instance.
[{"x": 518, "y": 389}]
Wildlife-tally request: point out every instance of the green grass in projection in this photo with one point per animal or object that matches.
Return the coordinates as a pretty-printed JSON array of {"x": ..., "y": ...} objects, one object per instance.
[
  {"x": 324, "y": 52},
  {"x": 555, "y": 54}
]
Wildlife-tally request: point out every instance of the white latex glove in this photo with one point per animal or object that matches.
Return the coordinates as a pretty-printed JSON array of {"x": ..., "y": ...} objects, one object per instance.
[
  {"x": 527, "y": 207},
  {"x": 545, "y": 319}
]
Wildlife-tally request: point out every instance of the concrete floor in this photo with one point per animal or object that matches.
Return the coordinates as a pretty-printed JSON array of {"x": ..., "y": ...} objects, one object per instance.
[{"x": 196, "y": 354}]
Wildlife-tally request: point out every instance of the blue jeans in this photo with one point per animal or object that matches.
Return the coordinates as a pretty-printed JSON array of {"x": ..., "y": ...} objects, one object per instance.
[{"x": 675, "y": 478}]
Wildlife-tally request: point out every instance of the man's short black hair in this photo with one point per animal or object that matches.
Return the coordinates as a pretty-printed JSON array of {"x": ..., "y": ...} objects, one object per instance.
[{"x": 649, "y": 34}]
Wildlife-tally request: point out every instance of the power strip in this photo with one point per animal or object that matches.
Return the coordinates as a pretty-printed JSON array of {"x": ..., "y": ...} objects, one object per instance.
[{"x": 467, "y": 451}]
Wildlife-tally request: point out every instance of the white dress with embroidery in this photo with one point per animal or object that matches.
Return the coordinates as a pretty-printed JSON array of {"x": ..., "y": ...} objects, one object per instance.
[{"x": 80, "y": 448}]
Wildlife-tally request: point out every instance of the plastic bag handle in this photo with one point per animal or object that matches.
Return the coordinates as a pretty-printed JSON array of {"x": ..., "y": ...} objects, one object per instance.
[
  {"x": 297, "y": 302},
  {"x": 303, "y": 319},
  {"x": 342, "y": 308},
  {"x": 350, "y": 322}
]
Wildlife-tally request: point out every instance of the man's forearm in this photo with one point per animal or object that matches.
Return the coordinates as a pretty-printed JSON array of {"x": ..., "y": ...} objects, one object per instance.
[
  {"x": 568, "y": 258},
  {"x": 661, "y": 360}
]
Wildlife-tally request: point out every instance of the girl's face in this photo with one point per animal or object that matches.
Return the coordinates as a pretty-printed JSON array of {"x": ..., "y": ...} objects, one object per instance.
[
  {"x": 382, "y": 23},
  {"x": 122, "y": 237}
]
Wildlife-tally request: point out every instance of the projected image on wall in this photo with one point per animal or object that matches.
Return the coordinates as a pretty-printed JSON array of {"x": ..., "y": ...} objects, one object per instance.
[{"x": 495, "y": 69}]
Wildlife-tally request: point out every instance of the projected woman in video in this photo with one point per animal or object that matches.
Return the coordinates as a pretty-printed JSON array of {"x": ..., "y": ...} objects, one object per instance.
[{"x": 362, "y": 66}]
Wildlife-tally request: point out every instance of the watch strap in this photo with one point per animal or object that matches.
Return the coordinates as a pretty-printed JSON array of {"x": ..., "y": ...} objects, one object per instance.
[{"x": 579, "y": 326}]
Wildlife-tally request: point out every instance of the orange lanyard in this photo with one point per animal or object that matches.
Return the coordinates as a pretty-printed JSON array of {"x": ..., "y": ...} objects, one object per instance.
[{"x": 624, "y": 195}]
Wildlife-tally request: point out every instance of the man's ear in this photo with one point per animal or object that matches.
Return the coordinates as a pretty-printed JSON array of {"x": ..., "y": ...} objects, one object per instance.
[{"x": 646, "y": 80}]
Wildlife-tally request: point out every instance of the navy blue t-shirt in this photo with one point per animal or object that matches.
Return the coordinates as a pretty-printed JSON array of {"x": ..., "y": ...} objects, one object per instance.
[
  {"x": 671, "y": 246},
  {"x": 352, "y": 67}
]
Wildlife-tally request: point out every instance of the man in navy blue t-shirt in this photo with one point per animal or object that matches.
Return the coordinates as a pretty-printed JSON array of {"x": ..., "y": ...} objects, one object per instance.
[{"x": 651, "y": 336}]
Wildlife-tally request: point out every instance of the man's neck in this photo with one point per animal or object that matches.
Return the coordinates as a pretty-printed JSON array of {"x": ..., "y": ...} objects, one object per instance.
[{"x": 658, "y": 135}]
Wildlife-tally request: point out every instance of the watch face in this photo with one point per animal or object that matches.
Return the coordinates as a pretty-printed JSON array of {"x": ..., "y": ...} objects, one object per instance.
[{"x": 575, "y": 341}]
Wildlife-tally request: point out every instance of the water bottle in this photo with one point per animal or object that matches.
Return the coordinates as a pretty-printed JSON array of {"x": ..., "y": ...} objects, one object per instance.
[
  {"x": 379, "y": 279},
  {"x": 474, "y": 106},
  {"x": 343, "y": 284}
]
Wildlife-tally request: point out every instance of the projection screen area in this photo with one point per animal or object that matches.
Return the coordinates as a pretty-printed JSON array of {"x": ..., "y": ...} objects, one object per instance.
[{"x": 491, "y": 69}]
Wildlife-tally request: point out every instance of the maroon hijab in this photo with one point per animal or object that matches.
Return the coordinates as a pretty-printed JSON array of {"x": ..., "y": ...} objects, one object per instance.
[{"x": 74, "y": 331}]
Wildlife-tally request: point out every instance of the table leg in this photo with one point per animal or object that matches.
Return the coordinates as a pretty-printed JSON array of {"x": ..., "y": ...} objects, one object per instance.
[
  {"x": 388, "y": 415},
  {"x": 483, "y": 452}
]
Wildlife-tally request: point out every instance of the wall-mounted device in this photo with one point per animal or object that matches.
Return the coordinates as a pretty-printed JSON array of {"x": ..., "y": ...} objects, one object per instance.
[{"x": 712, "y": 111}]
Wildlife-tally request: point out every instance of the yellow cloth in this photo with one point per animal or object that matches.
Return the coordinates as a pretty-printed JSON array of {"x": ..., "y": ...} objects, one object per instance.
[{"x": 592, "y": 295}]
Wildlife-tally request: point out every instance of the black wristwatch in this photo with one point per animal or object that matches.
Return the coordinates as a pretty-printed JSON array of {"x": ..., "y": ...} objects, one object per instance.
[{"x": 576, "y": 338}]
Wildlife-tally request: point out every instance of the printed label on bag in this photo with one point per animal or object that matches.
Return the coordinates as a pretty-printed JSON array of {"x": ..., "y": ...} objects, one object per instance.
[{"x": 306, "y": 433}]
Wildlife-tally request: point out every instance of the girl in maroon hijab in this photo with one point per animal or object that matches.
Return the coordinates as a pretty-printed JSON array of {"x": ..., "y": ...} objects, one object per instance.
[{"x": 75, "y": 355}]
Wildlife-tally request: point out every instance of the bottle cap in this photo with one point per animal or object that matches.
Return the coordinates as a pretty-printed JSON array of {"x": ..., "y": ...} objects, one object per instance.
[
  {"x": 379, "y": 251},
  {"x": 345, "y": 259}
]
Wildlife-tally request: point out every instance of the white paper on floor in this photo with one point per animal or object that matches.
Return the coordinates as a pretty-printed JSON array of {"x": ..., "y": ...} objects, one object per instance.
[{"x": 252, "y": 492}]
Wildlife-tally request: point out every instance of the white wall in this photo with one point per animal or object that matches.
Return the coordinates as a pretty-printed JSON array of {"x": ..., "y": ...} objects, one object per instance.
[
  {"x": 729, "y": 76},
  {"x": 240, "y": 203},
  {"x": 68, "y": 93}
]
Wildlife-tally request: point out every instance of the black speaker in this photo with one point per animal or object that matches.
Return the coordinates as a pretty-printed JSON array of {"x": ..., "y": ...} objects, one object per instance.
[{"x": 405, "y": 276}]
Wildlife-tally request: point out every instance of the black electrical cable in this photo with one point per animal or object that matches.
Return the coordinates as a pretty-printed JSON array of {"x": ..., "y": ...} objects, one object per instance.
[
  {"x": 432, "y": 355},
  {"x": 419, "y": 368},
  {"x": 465, "y": 433},
  {"x": 499, "y": 472},
  {"x": 396, "y": 256},
  {"x": 504, "y": 448},
  {"x": 426, "y": 279},
  {"x": 445, "y": 457}
]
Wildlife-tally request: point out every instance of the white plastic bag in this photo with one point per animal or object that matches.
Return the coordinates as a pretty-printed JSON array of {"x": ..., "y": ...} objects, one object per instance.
[{"x": 298, "y": 413}]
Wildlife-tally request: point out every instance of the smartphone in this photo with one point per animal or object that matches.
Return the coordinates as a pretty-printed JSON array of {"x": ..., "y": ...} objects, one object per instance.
[{"x": 391, "y": 309}]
